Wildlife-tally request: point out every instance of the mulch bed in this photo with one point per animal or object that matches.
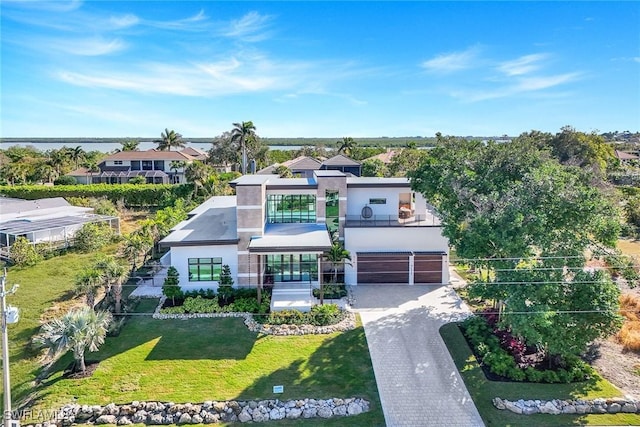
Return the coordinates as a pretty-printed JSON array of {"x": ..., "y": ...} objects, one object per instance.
[{"x": 91, "y": 366}]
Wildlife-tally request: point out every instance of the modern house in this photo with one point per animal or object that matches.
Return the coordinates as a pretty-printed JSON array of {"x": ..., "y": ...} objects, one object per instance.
[
  {"x": 157, "y": 167},
  {"x": 52, "y": 221},
  {"x": 275, "y": 231}
]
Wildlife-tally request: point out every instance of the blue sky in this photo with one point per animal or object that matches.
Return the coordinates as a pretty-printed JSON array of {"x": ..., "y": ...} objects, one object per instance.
[{"x": 323, "y": 69}]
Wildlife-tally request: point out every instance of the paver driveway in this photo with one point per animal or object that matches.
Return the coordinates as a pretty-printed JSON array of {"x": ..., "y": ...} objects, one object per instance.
[{"x": 418, "y": 382}]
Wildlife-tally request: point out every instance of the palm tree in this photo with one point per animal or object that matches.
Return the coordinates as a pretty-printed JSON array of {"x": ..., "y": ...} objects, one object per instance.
[
  {"x": 88, "y": 282},
  {"x": 197, "y": 173},
  {"x": 92, "y": 167},
  {"x": 283, "y": 171},
  {"x": 175, "y": 165},
  {"x": 76, "y": 154},
  {"x": 78, "y": 330},
  {"x": 241, "y": 134},
  {"x": 135, "y": 244},
  {"x": 346, "y": 146},
  {"x": 114, "y": 274},
  {"x": 130, "y": 145},
  {"x": 170, "y": 138},
  {"x": 336, "y": 256}
]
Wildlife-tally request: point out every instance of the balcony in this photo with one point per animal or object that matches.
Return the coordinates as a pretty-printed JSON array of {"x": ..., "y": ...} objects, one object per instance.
[{"x": 427, "y": 220}]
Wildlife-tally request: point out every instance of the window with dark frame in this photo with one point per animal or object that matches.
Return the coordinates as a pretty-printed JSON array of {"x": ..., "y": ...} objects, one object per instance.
[{"x": 205, "y": 269}]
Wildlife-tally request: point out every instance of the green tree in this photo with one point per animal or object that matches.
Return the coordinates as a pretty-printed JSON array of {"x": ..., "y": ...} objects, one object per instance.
[
  {"x": 78, "y": 330},
  {"x": 114, "y": 274},
  {"x": 137, "y": 180},
  {"x": 242, "y": 133},
  {"x": 88, "y": 282},
  {"x": 284, "y": 172},
  {"x": 405, "y": 161},
  {"x": 23, "y": 253},
  {"x": 225, "y": 284},
  {"x": 346, "y": 146},
  {"x": 337, "y": 256},
  {"x": 517, "y": 214},
  {"x": 76, "y": 155},
  {"x": 374, "y": 167},
  {"x": 169, "y": 139},
  {"x": 171, "y": 286},
  {"x": 136, "y": 245},
  {"x": 130, "y": 145},
  {"x": 93, "y": 236},
  {"x": 197, "y": 173}
]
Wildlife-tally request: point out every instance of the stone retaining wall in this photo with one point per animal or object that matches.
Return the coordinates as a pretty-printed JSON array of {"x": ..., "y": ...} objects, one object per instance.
[
  {"x": 557, "y": 406},
  {"x": 210, "y": 412},
  {"x": 348, "y": 323}
]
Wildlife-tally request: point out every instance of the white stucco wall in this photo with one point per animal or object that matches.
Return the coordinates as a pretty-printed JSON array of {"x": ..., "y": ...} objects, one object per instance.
[
  {"x": 357, "y": 198},
  {"x": 392, "y": 239},
  {"x": 180, "y": 260}
]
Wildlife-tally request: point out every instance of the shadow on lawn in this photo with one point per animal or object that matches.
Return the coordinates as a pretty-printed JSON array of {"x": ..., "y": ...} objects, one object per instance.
[{"x": 340, "y": 367}]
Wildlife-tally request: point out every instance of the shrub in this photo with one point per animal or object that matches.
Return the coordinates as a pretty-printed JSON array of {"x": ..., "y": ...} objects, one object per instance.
[
  {"x": 629, "y": 334},
  {"x": 65, "y": 180},
  {"x": 326, "y": 314},
  {"x": 137, "y": 180},
  {"x": 201, "y": 305},
  {"x": 93, "y": 236},
  {"x": 170, "y": 287},
  {"x": 23, "y": 253},
  {"x": 285, "y": 317},
  {"x": 245, "y": 305}
]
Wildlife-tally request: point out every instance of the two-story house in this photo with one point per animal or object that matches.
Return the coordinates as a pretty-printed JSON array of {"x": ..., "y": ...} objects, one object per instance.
[{"x": 275, "y": 231}]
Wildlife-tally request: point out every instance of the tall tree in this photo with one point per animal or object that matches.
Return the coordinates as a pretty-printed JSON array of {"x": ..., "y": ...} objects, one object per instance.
[
  {"x": 515, "y": 212},
  {"x": 130, "y": 145},
  {"x": 346, "y": 146},
  {"x": 197, "y": 174},
  {"x": 77, "y": 154},
  {"x": 242, "y": 133},
  {"x": 88, "y": 282},
  {"x": 169, "y": 139},
  {"x": 78, "y": 330},
  {"x": 114, "y": 274}
]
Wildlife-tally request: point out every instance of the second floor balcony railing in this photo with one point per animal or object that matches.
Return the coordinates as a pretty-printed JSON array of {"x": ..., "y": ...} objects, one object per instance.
[{"x": 391, "y": 221}]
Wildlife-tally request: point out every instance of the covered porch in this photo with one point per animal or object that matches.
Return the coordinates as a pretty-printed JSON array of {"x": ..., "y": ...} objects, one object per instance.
[{"x": 289, "y": 259}]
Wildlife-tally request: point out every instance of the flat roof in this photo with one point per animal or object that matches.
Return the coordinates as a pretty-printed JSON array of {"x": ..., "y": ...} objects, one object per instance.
[
  {"x": 367, "y": 182},
  {"x": 211, "y": 226},
  {"x": 292, "y": 238},
  {"x": 328, "y": 172}
]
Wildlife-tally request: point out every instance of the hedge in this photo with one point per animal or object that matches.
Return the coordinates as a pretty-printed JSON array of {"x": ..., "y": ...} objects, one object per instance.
[{"x": 131, "y": 195}]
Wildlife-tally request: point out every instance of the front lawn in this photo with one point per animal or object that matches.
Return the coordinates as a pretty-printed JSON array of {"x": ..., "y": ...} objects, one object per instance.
[
  {"x": 219, "y": 359},
  {"x": 483, "y": 391}
]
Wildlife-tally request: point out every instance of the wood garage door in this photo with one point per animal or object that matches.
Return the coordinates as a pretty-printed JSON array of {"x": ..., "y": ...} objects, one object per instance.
[
  {"x": 383, "y": 268},
  {"x": 427, "y": 268}
]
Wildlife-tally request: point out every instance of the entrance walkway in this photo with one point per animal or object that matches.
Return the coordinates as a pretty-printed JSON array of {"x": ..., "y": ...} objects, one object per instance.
[{"x": 418, "y": 382}]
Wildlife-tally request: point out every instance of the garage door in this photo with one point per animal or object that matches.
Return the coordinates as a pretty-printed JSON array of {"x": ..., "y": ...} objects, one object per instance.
[
  {"x": 427, "y": 268},
  {"x": 383, "y": 268}
]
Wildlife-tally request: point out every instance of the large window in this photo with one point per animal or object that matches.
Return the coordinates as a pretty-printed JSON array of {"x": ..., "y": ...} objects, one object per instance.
[
  {"x": 147, "y": 165},
  {"x": 291, "y": 268},
  {"x": 332, "y": 208},
  {"x": 291, "y": 208},
  {"x": 204, "y": 269}
]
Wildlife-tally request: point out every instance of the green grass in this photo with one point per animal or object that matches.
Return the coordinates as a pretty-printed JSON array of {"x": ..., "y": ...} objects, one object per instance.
[
  {"x": 219, "y": 359},
  {"x": 483, "y": 391},
  {"x": 45, "y": 292}
]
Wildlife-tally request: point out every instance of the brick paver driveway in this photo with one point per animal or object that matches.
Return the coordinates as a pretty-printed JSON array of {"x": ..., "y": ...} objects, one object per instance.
[{"x": 418, "y": 382}]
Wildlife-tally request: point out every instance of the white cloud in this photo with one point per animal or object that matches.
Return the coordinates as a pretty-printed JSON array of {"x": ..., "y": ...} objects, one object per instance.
[
  {"x": 249, "y": 28},
  {"x": 454, "y": 61},
  {"x": 524, "y": 65},
  {"x": 124, "y": 21},
  {"x": 87, "y": 47}
]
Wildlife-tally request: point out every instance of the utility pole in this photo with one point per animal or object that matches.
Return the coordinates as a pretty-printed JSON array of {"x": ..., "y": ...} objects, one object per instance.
[{"x": 8, "y": 316}]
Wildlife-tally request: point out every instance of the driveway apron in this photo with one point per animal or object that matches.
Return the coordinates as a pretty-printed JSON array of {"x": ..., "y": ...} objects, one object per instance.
[{"x": 418, "y": 382}]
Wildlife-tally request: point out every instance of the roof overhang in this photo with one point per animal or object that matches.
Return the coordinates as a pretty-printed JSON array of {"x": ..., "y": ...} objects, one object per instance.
[{"x": 280, "y": 238}]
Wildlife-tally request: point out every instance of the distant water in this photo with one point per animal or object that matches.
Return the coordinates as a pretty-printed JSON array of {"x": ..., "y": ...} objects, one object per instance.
[{"x": 107, "y": 147}]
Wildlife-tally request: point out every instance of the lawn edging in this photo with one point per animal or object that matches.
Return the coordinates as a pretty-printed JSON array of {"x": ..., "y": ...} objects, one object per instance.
[
  {"x": 159, "y": 413},
  {"x": 559, "y": 406},
  {"x": 347, "y": 324}
]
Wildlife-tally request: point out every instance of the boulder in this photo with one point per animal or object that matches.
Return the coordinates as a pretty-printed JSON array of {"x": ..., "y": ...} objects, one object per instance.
[
  {"x": 196, "y": 419},
  {"x": 185, "y": 418},
  {"x": 498, "y": 403},
  {"x": 549, "y": 408},
  {"x": 106, "y": 419},
  {"x": 294, "y": 413},
  {"x": 614, "y": 408},
  {"x": 244, "y": 416},
  {"x": 139, "y": 417},
  {"x": 354, "y": 409},
  {"x": 325, "y": 412},
  {"x": 124, "y": 420},
  {"x": 276, "y": 414},
  {"x": 628, "y": 408},
  {"x": 155, "y": 419}
]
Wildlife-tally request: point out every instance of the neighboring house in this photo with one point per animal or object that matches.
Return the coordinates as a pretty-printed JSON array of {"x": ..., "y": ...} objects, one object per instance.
[
  {"x": 385, "y": 157},
  {"x": 300, "y": 167},
  {"x": 157, "y": 167},
  {"x": 275, "y": 231},
  {"x": 625, "y": 157},
  {"x": 53, "y": 221},
  {"x": 343, "y": 164}
]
